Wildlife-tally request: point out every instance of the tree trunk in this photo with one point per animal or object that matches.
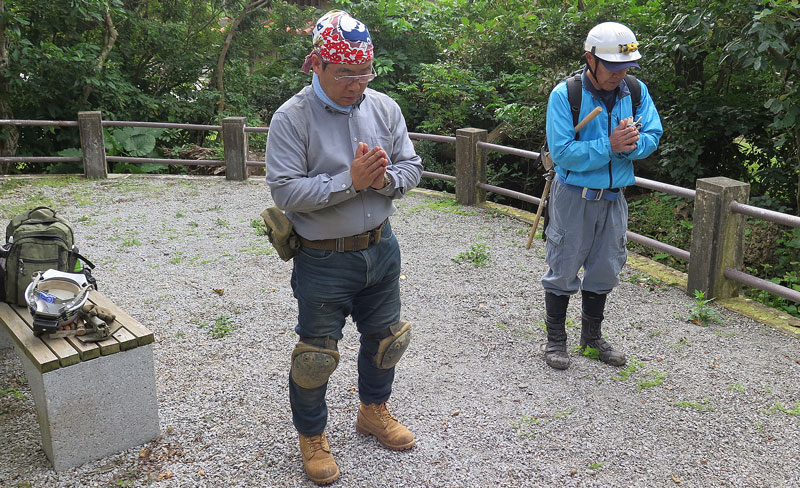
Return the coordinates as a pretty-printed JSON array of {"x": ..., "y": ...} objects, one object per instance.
[
  {"x": 9, "y": 135},
  {"x": 252, "y": 5},
  {"x": 109, "y": 38}
]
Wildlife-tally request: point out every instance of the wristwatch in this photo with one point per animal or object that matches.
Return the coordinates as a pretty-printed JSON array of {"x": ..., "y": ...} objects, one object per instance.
[{"x": 388, "y": 180}]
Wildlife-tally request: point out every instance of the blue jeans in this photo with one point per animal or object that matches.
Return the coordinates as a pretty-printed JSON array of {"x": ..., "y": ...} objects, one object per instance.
[{"x": 331, "y": 285}]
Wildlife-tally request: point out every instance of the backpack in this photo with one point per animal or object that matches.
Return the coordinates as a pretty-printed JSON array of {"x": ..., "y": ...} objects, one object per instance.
[{"x": 37, "y": 240}]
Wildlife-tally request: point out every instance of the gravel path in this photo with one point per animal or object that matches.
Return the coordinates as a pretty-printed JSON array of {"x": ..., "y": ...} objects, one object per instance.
[{"x": 697, "y": 406}]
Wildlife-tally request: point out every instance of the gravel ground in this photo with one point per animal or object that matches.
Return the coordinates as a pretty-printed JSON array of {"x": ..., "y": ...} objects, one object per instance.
[{"x": 697, "y": 406}]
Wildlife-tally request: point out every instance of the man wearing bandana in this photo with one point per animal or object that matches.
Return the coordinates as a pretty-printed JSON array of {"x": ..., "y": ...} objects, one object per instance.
[{"x": 338, "y": 154}]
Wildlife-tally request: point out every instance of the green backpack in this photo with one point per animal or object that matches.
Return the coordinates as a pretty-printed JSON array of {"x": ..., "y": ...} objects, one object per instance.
[{"x": 37, "y": 240}]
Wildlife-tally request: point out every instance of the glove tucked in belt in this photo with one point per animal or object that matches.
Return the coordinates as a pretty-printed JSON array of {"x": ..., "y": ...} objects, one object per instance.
[{"x": 357, "y": 242}]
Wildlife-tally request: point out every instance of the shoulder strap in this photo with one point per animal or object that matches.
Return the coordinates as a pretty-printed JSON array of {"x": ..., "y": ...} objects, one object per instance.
[
  {"x": 636, "y": 92},
  {"x": 574, "y": 96}
]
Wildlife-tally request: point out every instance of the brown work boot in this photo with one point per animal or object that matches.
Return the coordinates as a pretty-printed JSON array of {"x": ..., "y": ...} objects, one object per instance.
[
  {"x": 320, "y": 466},
  {"x": 376, "y": 419}
]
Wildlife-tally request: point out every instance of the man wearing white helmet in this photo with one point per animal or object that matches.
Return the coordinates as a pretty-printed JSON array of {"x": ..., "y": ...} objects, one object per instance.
[
  {"x": 338, "y": 154},
  {"x": 588, "y": 214}
]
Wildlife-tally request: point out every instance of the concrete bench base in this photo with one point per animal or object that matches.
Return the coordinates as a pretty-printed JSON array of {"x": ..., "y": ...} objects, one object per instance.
[{"x": 95, "y": 408}]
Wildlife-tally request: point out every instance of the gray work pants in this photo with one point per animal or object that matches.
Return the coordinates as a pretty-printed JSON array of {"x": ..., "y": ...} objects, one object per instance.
[{"x": 588, "y": 234}]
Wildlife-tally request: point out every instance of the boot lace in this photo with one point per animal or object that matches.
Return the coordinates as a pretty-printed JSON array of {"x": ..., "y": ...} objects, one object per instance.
[
  {"x": 383, "y": 413},
  {"x": 316, "y": 443}
]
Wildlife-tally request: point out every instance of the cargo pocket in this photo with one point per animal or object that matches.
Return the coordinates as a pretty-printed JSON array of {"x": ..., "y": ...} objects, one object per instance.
[{"x": 553, "y": 248}]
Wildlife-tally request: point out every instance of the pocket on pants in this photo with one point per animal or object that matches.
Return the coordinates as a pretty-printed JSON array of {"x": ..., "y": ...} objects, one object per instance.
[{"x": 554, "y": 245}]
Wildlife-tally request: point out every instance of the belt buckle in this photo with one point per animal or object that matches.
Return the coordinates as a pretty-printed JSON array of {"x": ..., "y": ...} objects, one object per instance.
[
  {"x": 598, "y": 196},
  {"x": 340, "y": 244}
]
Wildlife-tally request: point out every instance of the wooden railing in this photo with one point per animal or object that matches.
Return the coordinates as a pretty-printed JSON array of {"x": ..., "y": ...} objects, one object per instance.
[{"x": 715, "y": 259}]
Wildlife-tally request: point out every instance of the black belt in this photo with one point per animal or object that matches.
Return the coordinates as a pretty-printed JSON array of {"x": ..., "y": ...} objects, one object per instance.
[
  {"x": 357, "y": 242},
  {"x": 610, "y": 194}
]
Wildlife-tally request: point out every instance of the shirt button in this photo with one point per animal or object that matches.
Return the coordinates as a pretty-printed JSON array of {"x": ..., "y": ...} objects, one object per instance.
[
  {"x": 344, "y": 186},
  {"x": 369, "y": 215},
  {"x": 355, "y": 139}
]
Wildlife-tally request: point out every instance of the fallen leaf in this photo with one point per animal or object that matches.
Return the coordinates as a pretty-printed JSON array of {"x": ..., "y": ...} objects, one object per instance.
[
  {"x": 219, "y": 291},
  {"x": 455, "y": 413},
  {"x": 402, "y": 276},
  {"x": 201, "y": 472},
  {"x": 144, "y": 452},
  {"x": 676, "y": 480},
  {"x": 165, "y": 475}
]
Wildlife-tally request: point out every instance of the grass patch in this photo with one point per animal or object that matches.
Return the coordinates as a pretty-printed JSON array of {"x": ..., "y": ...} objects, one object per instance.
[
  {"x": 701, "y": 313},
  {"x": 647, "y": 282},
  {"x": 259, "y": 226},
  {"x": 624, "y": 374},
  {"x": 448, "y": 205},
  {"x": 525, "y": 427},
  {"x": 779, "y": 407},
  {"x": 223, "y": 326},
  {"x": 478, "y": 255},
  {"x": 701, "y": 406},
  {"x": 651, "y": 379},
  {"x": 258, "y": 250}
]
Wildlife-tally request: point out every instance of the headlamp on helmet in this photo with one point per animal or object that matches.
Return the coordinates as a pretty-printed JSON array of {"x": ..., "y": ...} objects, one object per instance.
[{"x": 613, "y": 42}]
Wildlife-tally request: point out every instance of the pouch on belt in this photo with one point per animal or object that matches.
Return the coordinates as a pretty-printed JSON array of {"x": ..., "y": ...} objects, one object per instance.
[{"x": 280, "y": 232}]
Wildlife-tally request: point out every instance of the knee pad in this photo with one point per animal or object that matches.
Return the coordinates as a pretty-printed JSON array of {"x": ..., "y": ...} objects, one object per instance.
[
  {"x": 313, "y": 364},
  {"x": 392, "y": 347}
]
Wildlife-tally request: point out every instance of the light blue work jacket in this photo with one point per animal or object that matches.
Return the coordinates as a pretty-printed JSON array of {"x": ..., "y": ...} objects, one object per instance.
[{"x": 588, "y": 161}]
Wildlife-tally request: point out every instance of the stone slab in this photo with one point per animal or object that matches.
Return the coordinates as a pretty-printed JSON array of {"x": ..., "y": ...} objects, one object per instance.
[{"x": 95, "y": 408}]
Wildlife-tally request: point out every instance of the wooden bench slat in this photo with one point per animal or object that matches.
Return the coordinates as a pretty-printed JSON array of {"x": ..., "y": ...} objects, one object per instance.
[
  {"x": 109, "y": 345},
  {"x": 126, "y": 339},
  {"x": 67, "y": 355},
  {"x": 40, "y": 355},
  {"x": 143, "y": 336},
  {"x": 86, "y": 351}
]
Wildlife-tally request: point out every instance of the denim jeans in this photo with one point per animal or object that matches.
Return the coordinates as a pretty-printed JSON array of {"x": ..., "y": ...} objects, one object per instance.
[{"x": 331, "y": 285}]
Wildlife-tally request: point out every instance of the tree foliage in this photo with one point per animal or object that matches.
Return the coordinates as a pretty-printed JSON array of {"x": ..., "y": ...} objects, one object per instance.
[{"x": 723, "y": 73}]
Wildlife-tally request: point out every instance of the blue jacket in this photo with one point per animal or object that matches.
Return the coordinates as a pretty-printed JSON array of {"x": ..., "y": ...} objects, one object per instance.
[{"x": 589, "y": 161}]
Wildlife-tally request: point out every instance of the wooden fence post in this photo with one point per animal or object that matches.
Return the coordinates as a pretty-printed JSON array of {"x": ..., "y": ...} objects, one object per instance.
[
  {"x": 234, "y": 141},
  {"x": 470, "y": 166},
  {"x": 93, "y": 145},
  {"x": 717, "y": 237}
]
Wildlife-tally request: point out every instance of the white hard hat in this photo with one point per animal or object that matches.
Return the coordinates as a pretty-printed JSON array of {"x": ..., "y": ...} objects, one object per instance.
[{"x": 613, "y": 42}]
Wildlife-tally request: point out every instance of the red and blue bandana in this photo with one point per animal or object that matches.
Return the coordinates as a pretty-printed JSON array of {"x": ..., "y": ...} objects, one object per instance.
[{"x": 340, "y": 39}]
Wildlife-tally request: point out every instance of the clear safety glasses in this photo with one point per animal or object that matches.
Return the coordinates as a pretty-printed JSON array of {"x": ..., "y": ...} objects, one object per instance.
[{"x": 363, "y": 79}]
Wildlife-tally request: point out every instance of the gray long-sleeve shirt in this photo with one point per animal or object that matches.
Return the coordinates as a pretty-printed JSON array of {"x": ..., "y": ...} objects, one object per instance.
[{"x": 310, "y": 149}]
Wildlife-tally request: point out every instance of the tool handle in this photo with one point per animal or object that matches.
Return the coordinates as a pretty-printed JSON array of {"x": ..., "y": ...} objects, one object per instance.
[
  {"x": 545, "y": 193},
  {"x": 594, "y": 113}
]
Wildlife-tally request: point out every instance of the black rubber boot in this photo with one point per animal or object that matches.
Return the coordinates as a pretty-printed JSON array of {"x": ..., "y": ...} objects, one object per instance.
[
  {"x": 555, "y": 352},
  {"x": 592, "y": 307}
]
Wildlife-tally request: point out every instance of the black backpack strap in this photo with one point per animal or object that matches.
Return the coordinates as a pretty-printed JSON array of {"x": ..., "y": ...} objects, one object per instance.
[
  {"x": 574, "y": 97},
  {"x": 82, "y": 258},
  {"x": 636, "y": 92}
]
